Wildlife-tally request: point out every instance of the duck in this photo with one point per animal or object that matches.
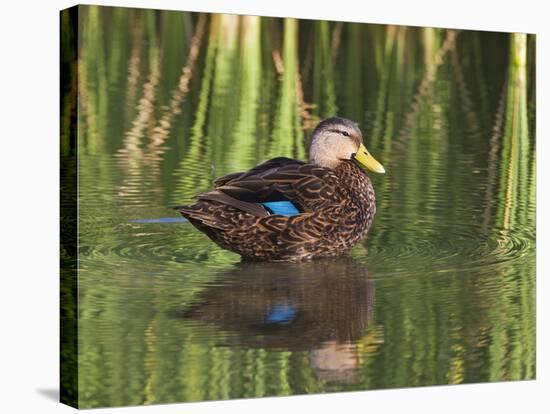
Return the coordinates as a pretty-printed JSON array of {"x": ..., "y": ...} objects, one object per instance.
[{"x": 288, "y": 210}]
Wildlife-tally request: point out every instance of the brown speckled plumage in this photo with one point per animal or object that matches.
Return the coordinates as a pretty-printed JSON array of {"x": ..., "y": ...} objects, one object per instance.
[{"x": 337, "y": 207}]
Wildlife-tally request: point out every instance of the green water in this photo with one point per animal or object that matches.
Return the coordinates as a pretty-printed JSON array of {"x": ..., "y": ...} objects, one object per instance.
[{"x": 441, "y": 292}]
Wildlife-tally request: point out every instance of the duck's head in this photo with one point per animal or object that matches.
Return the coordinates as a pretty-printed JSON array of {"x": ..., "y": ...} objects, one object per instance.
[{"x": 337, "y": 139}]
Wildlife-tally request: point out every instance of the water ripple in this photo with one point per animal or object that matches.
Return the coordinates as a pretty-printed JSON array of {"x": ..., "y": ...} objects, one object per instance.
[{"x": 457, "y": 248}]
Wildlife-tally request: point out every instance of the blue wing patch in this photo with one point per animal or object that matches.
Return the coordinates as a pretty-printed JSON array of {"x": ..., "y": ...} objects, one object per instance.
[
  {"x": 284, "y": 208},
  {"x": 283, "y": 313}
]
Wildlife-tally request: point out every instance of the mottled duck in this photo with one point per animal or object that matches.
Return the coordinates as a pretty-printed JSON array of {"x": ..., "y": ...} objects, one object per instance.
[{"x": 291, "y": 210}]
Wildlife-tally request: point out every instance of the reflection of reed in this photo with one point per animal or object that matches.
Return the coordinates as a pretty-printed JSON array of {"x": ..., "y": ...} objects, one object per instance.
[
  {"x": 287, "y": 137},
  {"x": 308, "y": 122},
  {"x": 131, "y": 154},
  {"x": 190, "y": 172},
  {"x": 244, "y": 135},
  {"x": 383, "y": 69},
  {"x": 424, "y": 88},
  {"x": 161, "y": 131},
  {"x": 151, "y": 156},
  {"x": 68, "y": 82},
  {"x": 223, "y": 104},
  {"x": 516, "y": 130},
  {"x": 307, "y": 59},
  {"x": 131, "y": 144},
  {"x": 466, "y": 97},
  {"x": 278, "y": 62},
  {"x": 515, "y": 213},
  {"x": 93, "y": 85},
  {"x": 354, "y": 74},
  {"x": 133, "y": 63},
  {"x": 335, "y": 41},
  {"x": 494, "y": 147},
  {"x": 324, "y": 91},
  {"x": 86, "y": 109}
]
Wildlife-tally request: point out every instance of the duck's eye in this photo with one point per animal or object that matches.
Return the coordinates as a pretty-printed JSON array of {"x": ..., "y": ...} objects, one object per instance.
[{"x": 341, "y": 131}]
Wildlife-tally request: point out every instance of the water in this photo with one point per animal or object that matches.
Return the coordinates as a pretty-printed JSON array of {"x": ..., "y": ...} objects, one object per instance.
[{"x": 442, "y": 291}]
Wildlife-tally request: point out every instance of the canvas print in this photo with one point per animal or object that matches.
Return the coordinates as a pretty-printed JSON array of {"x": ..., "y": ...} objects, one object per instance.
[{"x": 258, "y": 206}]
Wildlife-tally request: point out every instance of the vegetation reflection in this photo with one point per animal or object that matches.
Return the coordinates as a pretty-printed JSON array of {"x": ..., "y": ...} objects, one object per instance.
[{"x": 168, "y": 101}]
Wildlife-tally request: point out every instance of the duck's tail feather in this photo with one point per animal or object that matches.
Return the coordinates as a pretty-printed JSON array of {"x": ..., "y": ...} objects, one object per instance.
[
  {"x": 256, "y": 209},
  {"x": 211, "y": 210},
  {"x": 252, "y": 208},
  {"x": 198, "y": 214}
]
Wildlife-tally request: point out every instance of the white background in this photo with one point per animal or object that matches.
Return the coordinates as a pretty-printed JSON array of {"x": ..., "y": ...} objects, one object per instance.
[{"x": 29, "y": 204}]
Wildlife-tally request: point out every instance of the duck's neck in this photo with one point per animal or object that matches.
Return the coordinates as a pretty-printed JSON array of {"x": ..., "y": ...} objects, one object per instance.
[
  {"x": 360, "y": 193},
  {"x": 355, "y": 178}
]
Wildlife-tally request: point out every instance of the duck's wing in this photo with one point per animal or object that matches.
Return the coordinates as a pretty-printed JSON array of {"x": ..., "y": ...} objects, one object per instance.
[
  {"x": 272, "y": 163},
  {"x": 307, "y": 185}
]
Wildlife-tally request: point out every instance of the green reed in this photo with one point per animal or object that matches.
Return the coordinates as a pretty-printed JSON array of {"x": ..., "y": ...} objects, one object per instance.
[
  {"x": 244, "y": 143},
  {"x": 287, "y": 137}
]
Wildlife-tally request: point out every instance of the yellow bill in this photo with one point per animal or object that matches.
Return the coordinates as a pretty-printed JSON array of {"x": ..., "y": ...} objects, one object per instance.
[{"x": 364, "y": 158}]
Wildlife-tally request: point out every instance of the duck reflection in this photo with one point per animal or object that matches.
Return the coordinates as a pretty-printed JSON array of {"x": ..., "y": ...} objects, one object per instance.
[{"x": 322, "y": 306}]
